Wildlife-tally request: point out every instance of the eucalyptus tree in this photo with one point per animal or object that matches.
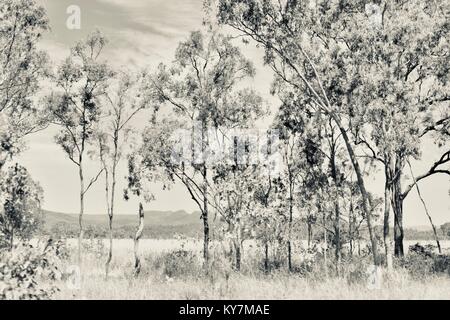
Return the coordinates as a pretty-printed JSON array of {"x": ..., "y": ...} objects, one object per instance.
[
  {"x": 22, "y": 67},
  {"x": 307, "y": 53},
  {"x": 75, "y": 106},
  {"x": 300, "y": 134},
  {"x": 122, "y": 103},
  {"x": 233, "y": 199},
  {"x": 270, "y": 218},
  {"x": 235, "y": 183},
  {"x": 203, "y": 87},
  {"x": 345, "y": 55},
  {"x": 402, "y": 98},
  {"x": 20, "y": 200}
]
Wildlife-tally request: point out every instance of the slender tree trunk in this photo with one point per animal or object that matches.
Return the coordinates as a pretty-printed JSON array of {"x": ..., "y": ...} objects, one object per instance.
[
  {"x": 205, "y": 198},
  {"x": 137, "y": 260},
  {"x": 426, "y": 211},
  {"x": 111, "y": 214},
  {"x": 387, "y": 203},
  {"x": 350, "y": 226},
  {"x": 351, "y": 247},
  {"x": 108, "y": 208},
  {"x": 110, "y": 236},
  {"x": 398, "y": 221},
  {"x": 266, "y": 257},
  {"x": 11, "y": 241},
  {"x": 205, "y": 218},
  {"x": 367, "y": 206},
  {"x": 359, "y": 245},
  {"x": 325, "y": 239},
  {"x": 309, "y": 233},
  {"x": 397, "y": 206},
  {"x": 238, "y": 245},
  {"x": 80, "y": 216},
  {"x": 289, "y": 256},
  {"x": 337, "y": 236},
  {"x": 290, "y": 224},
  {"x": 237, "y": 252}
]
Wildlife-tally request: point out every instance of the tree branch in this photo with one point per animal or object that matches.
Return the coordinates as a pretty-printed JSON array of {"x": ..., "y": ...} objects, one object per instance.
[
  {"x": 433, "y": 170},
  {"x": 93, "y": 180}
]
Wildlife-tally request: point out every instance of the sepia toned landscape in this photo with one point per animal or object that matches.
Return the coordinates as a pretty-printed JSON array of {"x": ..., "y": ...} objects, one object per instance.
[{"x": 224, "y": 149}]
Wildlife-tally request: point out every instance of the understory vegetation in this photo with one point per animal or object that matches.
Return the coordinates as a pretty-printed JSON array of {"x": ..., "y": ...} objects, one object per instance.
[
  {"x": 50, "y": 271},
  {"x": 180, "y": 274}
]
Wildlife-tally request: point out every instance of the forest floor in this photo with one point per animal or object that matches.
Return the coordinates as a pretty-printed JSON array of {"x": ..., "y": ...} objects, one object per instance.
[{"x": 179, "y": 275}]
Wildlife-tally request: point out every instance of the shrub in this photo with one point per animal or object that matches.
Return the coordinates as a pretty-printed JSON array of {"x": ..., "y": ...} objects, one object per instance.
[
  {"x": 357, "y": 271},
  {"x": 422, "y": 260},
  {"x": 29, "y": 272},
  {"x": 20, "y": 200},
  {"x": 178, "y": 263},
  {"x": 442, "y": 263}
]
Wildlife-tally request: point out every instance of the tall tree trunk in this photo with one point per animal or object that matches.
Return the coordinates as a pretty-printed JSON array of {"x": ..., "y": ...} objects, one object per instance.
[
  {"x": 238, "y": 245},
  {"x": 266, "y": 257},
  {"x": 205, "y": 197},
  {"x": 397, "y": 206},
  {"x": 11, "y": 240},
  {"x": 80, "y": 216},
  {"x": 309, "y": 234},
  {"x": 108, "y": 208},
  {"x": 137, "y": 260},
  {"x": 367, "y": 205},
  {"x": 205, "y": 219},
  {"x": 398, "y": 220},
  {"x": 237, "y": 252},
  {"x": 110, "y": 236},
  {"x": 350, "y": 226},
  {"x": 387, "y": 203},
  {"x": 289, "y": 245},
  {"x": 111, "y": 212},
  {"x": 325, "y": 239},
  {"x": 290, "y": 224},
  {"x": 337, "y": 236}
]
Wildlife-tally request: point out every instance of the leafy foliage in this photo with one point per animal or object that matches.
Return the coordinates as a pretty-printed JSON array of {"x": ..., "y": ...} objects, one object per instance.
[
  {"x": 22, "y": 67},
  {"x": 30, "y": 272},
  {"x": 21, "y": 197}
]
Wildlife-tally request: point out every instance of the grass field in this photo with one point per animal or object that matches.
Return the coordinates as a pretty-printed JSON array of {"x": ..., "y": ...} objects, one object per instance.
[{"x": 166, "y": 275}]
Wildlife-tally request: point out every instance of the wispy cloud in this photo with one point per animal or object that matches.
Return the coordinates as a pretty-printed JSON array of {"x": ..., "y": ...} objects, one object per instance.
[{"x": 140, "y": 31}]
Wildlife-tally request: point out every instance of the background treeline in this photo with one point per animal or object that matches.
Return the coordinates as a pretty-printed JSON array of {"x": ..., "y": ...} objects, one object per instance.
[{"x": 54, "y": 226}]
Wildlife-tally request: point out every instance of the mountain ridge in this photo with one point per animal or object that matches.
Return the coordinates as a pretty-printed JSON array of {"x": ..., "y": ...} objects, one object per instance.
[{"x": 151, "y": 217}]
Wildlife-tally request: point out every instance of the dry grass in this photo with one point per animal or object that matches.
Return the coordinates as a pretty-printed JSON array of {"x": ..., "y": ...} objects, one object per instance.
[
  {"x": 241, "y": 287},
  {"x": 153, "y": 283}
]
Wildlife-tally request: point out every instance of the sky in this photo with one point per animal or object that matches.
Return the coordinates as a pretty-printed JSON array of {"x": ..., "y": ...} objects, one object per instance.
[{"x": 143, "y": 33}]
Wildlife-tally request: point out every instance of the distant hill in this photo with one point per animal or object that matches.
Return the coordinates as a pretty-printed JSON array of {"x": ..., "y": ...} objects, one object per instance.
[
  {"x": 162, "y": 218},
  {"x": 158, "y": 224},
  {"x": 167, "y": 224}
]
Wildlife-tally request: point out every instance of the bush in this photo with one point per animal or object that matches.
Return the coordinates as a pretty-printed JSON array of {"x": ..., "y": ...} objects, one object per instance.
[
  {"x": 442, "y": 263},
  {"x": 179, "y": 263},
  {"x": 95, "y": 247},
  {"x": 29, "y": 272},
  {"x": 20, "y": 200},
  {"x": 422, "y": 261}
]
